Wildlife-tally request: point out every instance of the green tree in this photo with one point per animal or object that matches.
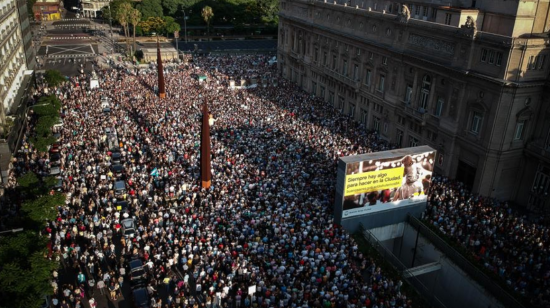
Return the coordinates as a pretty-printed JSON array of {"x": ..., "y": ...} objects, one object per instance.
[
  {"x": 123, "y": 17},
  {"x": 171, "y": 6},
  {"x": 150, "y": 8},
  {"x": 153, "y": 24},
  {"x": 115, "y": 7},
  {"x": 44, "y": 208},
  {"x": 25, "y": 272},
  {"x": 134, "y": 18},
  {"x": 54, "y": 78},
  {"x": 171, "y": 25},
  {"x": 47, "y": 111},
  {"x": 207, "y": 14}
]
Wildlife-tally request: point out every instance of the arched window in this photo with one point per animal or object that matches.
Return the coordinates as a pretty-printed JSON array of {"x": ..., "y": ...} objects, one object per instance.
[{"x": 425, "y": 92}]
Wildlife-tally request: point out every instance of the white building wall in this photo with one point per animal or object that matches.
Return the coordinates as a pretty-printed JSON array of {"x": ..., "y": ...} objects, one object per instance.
[{"x": 12, "y": 56}]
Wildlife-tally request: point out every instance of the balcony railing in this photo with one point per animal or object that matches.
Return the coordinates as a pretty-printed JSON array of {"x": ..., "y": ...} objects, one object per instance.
[
  {"x": 7, "y": 12},
  {"x": 418, "y": 113}
]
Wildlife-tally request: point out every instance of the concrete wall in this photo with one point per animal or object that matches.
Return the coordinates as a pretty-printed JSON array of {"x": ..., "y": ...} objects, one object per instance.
[{"x": 453, "y": 287}]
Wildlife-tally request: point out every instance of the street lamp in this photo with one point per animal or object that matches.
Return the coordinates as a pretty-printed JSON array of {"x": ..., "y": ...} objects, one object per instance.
[
  {"x": 12, "y": 231},
  {"x": 185, "y": 23},
  {"x": 111, "y": 26}
]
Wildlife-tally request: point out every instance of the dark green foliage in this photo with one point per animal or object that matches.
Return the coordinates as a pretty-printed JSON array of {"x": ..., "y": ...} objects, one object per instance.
[
  {"x": 24, "y": 270},
  {"x": 44, "y": 208},
  {"x": 54, "y": 78},
  {"x": 150, "y": 8}
]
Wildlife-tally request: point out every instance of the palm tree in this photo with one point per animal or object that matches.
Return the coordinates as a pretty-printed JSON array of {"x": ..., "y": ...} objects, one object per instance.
[
  {"x": 122, "y": 16},
  {"x": 207, "y": 15},
  {"x": 135, "y": 18}
]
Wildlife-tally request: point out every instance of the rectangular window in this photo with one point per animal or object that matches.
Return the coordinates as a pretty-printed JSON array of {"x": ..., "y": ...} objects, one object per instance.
[
  {"x": 491, "y": 57},
  {"x": 376, "y": 124},
  {"x": 351, "y": 110},
  {"x": 345, "y": 67},
  {"x": 434, "y": 13},
  {"x": 432, "y": 136},
  {"x": 331, "y": 97},
  {"x": 399, "y": 138},
  {"x": 484, "y": 55},
  {"x": 531, "y": 63},
  {"x": 448, "y": 18},
  {"x": 316, "y": 54},
  {"x": 341, "y": 103},
  {"x": 386, "y": 126},
  {"x": 424, "y": 96},
  {"x": 381, "y": 82},
  {"x": 385, "y": 60},
  {"x": 364, "y": 117},
  {"x": 367, "y": 77},
  {"x": 498, "y": 62},
  {"x": 540, "y": 62},
  {"x": 439, "y": 107},
  {"x": 371, "y": 55},
  {"x": 334, "y": 62},
  {"x": 425, "y": 11},
  {"x": 475, "y": 125},
  {"x": 355, "y": 72},
  {"x": 322, "y": 94},
  {"x": 314, "y": 88},
  {"x": 518, "y": 135},
  {"x": 417, "y": 10},
  {"x": 408, "y": 94},
  {"x": 325, "y": 58},
  {"x": 413, "y": 142}
]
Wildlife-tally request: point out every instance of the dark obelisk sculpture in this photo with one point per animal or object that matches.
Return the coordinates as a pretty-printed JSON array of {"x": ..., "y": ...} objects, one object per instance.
[
  {"x": 206, "y": 173},
  {"x": 162, "y": 90}
]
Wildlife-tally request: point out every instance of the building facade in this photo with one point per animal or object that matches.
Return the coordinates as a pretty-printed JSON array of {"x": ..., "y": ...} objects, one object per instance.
[
  {"x": 92, "y": 8},
  {"x": 47, "y": 10},
  {"x": 12, "y": 57},
  {"x": 26, "y": 34},
  {"x": 466, "y": 77}
]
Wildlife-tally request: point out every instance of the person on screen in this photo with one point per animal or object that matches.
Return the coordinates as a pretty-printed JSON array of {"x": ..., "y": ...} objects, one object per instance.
[{"x": 412, "y": 173}]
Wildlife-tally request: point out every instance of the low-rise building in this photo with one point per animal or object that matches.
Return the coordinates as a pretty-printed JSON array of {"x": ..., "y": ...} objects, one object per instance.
[{"x": 47, "y": 10}]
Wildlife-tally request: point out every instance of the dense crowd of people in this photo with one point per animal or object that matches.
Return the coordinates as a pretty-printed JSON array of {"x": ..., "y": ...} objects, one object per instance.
[
  {"x": 266, "y": 222},
  {"x": 267, "y": 219},
  {"x": 506, "y": 242}
]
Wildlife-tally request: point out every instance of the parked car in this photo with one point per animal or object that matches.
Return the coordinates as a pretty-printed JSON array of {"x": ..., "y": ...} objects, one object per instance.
[
  {"x": 122, "y": 206},
  {"x": 55, "y": 170}
]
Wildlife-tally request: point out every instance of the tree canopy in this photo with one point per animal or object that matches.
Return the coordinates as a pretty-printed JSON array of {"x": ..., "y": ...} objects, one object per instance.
[
  {"x": 54, "y": 78},
  {"x": 150, "y": 8}
]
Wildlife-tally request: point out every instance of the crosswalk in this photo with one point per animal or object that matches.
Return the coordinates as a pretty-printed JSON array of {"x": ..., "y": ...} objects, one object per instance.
[
  {"x": 76, "y": 55},
  {"x": 73, "y": 26},
  {"x": 68, "y": 37}
]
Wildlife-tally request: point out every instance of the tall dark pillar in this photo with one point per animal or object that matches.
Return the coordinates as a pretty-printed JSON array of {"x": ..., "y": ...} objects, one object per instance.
[
  {"x": 162, "y": 90},
  {"x": 206, "y": 173}
]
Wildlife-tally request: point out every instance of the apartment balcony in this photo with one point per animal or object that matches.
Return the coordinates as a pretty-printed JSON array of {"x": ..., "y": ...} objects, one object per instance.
[
  {"x": 356, "y": 84},
  {"x": 6, "y": 59},
  {"x": 419, "y": 114},
  {"x": 6, "y": 12},
  {"x": 7, "y": 34}
]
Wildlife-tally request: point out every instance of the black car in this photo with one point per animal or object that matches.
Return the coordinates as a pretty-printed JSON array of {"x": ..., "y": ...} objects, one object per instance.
[
  {"x": 118, "y": 170},
  {"x": 116, "y": 157},
  {"x": 140, "y": 298},
  {"x": 122, "y": 206},
  {"x": 137, "y": 272}
]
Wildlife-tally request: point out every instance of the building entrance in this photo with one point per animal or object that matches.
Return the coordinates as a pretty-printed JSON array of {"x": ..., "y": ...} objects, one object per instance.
[{"x": 466, "y": 173}]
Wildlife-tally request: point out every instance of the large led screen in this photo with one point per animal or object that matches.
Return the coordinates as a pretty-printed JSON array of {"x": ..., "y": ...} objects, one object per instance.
[{"x": 385, "y": 180}]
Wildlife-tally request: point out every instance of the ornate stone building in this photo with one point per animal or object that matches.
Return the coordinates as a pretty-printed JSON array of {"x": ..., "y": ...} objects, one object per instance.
[
  {"x": 468, "y": 78},
  {"x": 91, "y": 8},
  {"x": 12, "y": 57}
]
